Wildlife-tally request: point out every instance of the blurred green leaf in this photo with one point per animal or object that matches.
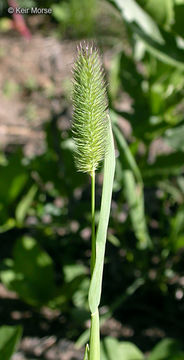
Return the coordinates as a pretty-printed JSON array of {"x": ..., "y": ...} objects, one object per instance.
[
  {"x": 24, "y": 205},
  {"x": 114, "y": 78},
  {"x": 171, "y": 189},
  {"x": 61, "y": 12},
  {"x": 77, "y": 16},
  {"x": 156, "y": 98},
  {"x": 13, "y": 178},
  {"x": 5, "y": 24},
  {"x": 177, "y": 229},
  {"x": 73, "y": 270},
  {"x": 113, "y": 349},
  {"x": 174, "y": 137},
  {"x": 32, "y": 274},
  {"x": 161, "y": 45},
  {"x": 8, "y": 225},
  {"x": 132, "y": 188},
  {"x": 133, "y": 13},
  {"x": 129, "y": 351},
  {"x": 179, "y": 15},
  {"x": 126, "y": 157},
  {"x": 110, "y": 349},
  {"x": 166, "y": 349},
  {"x": 9, "y": 338},
  {"x": 165, "y": 15},
  {"x": 77, "y": 284},
  {"x": 134, "y": 196},
  {"x": 180, "y": 181}
]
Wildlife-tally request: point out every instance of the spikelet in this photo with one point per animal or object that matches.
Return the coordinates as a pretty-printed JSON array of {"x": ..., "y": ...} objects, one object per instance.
[{"x": 90, "y": 109}]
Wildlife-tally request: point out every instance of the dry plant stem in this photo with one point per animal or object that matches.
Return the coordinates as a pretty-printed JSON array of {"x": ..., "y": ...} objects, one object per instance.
[{"x": 93, "y": 241}]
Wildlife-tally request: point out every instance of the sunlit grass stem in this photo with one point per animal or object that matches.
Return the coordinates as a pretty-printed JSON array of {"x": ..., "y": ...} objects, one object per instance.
[
  {"x": 94, "y": 341},
  {"x": 94, "y": 353},
  {"x": 93, "y": 240}
]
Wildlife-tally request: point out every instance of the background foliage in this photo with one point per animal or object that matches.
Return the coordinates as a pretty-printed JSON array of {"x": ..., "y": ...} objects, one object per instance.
[{"x": 44, "y": 201}]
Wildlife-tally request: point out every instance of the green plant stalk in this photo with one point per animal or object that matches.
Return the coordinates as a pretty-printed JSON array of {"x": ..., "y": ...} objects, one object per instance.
[
  {"x": 94, "y": 348},
  {"x": 94, "y": 342},
  {"x": 93, "y": 241}
]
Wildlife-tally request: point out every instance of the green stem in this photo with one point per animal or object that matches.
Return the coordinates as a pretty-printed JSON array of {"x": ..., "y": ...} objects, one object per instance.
[
  {"x": 94, "y": 348},
  {"x": 93, "y": 240},
  {"x": 94, "y": 342}
]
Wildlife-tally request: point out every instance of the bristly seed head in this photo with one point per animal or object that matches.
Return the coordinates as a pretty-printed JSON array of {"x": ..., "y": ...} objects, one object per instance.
[{"x": 90, "y": 109}]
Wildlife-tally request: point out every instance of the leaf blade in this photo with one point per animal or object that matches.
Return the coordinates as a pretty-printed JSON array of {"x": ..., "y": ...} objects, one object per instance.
[
  {"x": 86, "y": 354},
  {"x": 109, "y": 169},
  {"x": 24, "y": 204},
  {"x": 9, "y": 337}
]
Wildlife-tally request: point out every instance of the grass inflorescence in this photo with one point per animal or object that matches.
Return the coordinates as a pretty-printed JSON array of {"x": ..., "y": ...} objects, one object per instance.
[{"x": 90, "y": 109}]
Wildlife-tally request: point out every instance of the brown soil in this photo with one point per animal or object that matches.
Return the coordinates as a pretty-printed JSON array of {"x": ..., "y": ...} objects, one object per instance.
[{"x": 34, "y": 77}]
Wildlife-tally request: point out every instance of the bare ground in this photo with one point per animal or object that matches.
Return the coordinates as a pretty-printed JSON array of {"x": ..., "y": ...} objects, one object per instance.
[{"x": 34, "y": 76}]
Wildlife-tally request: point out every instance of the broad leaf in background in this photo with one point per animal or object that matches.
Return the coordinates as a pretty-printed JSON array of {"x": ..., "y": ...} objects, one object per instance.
[
  {"x": 24, "y": 205},
  {"x": 129, "y": 351},
  {"x": 175, "y": 137},
  {"x": 113, "y": 349},
  {"x": 165, "y": 15},
  {"x": 134, "y": 195},
  {"x": 170, "y": 15},
  {"x": 9, "y": 224},
  {"x": 167, "y": 349},
  {"x": 76, "y": 16},
  {"x": 133, "y": 189},
  {"x": 133, "y": 13},
  {"x": 177, "y": 229},
  {"x": 156, "y": 95},
  {"x": 76, "y": 285},
  {"x": 161, "y": 45},
  {"x": 9, "y": 338},
  {"x": 109, "y": 349},
  {"x": 31, "y": 274},
  {"x": 12, "y": 182}
]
